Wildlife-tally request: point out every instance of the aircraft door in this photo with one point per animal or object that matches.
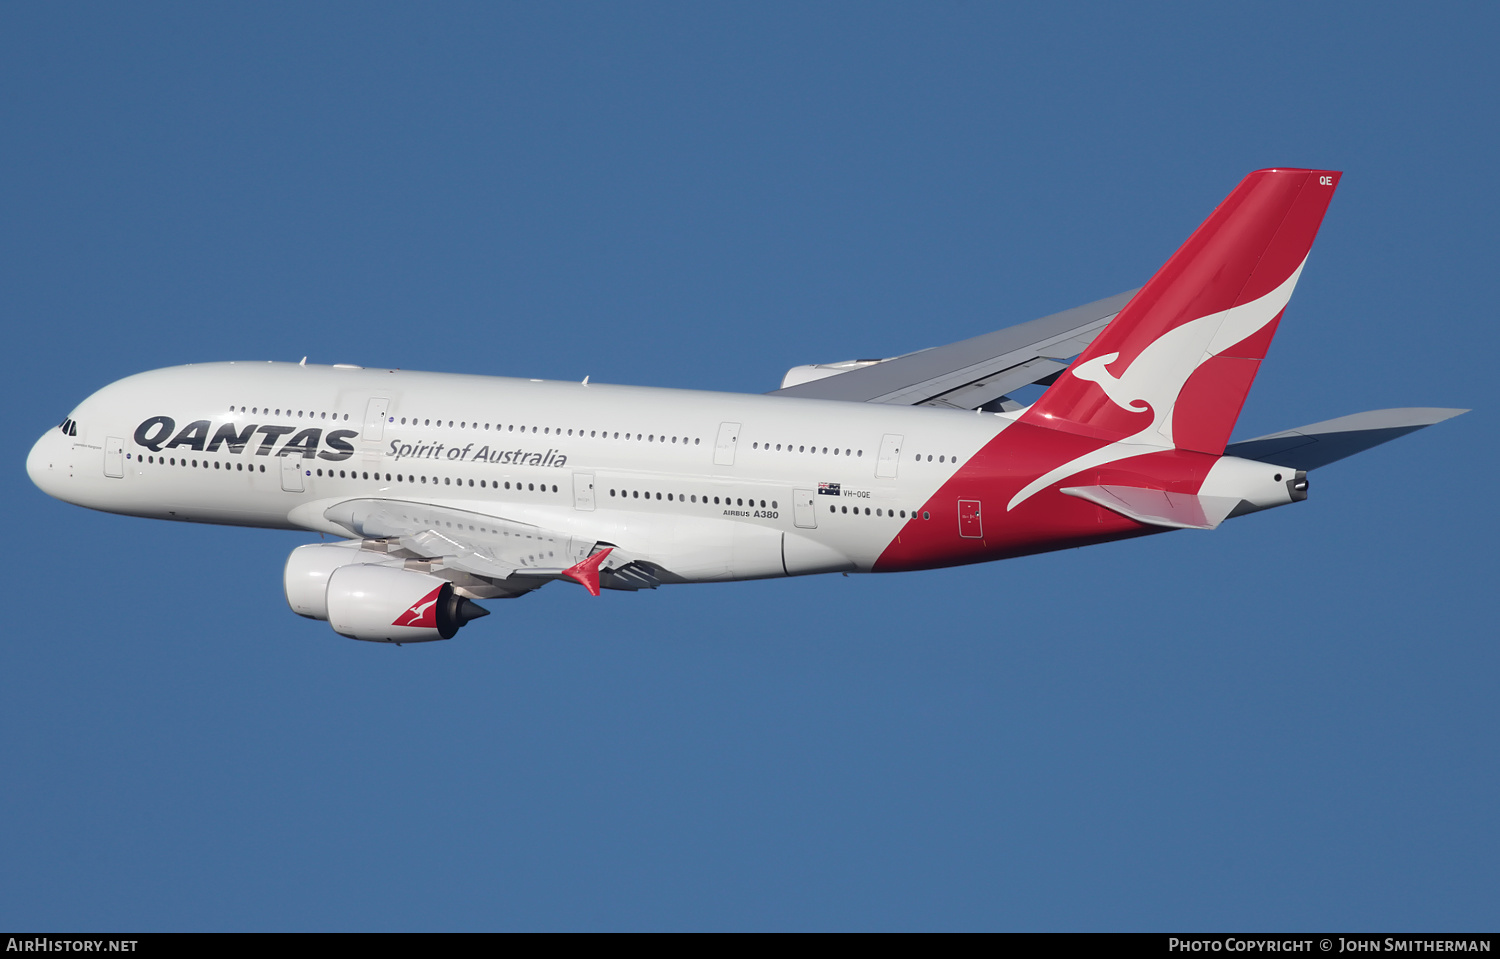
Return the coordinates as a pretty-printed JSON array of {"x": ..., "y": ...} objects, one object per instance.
[
  {"x": 583, "y": 491},
  {"x": 805, "y": 508},
  {"x": 375, "y": 412},
  {"x": 729, "y": 438},
  {"x": 969, "y": 525},
  {"x": 291, "y": 474},
  {"x": 114, "y": 457},
  {"x": 890, "y": 456}
]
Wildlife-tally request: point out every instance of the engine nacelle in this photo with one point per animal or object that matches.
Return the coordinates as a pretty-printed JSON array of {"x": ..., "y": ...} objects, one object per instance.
[
  {"x": 309, "y": 567},
  {"x": 383, "y": 604}
]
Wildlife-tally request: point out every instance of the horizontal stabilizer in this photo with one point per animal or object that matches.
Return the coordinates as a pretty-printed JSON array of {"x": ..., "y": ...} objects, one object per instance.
[
  {"x": 1309, "y": 447},
  {"x": 1157, "y": 507}
]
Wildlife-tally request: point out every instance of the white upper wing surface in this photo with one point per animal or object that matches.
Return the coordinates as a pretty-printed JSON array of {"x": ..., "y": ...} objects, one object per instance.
[
  {"x": 496, "y": 556},
  {"x": 975, "y": 372}
]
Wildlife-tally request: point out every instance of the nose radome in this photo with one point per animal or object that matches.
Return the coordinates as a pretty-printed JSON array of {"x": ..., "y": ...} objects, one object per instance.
[{"x": 45, "y": 464}]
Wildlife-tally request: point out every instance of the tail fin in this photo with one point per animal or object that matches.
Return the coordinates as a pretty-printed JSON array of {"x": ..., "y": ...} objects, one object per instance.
[{"x": 1174, "y": 367}]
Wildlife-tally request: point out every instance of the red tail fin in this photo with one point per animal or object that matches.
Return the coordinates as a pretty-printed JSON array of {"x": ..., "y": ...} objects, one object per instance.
[{"x": 1175, "y": 365}]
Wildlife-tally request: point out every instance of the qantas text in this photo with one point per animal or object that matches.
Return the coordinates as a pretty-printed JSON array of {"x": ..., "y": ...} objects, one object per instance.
[{"x": 161, "y": 432}]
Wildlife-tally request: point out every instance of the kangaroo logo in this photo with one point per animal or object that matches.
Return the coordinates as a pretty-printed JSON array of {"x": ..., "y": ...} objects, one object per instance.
[
  {"x": 1155, "y": 378},
  {"x": 423, "y": 612}
]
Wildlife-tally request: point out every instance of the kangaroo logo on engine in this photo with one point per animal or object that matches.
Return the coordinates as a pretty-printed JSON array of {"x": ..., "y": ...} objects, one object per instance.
[{"x": 422, "y": 614}]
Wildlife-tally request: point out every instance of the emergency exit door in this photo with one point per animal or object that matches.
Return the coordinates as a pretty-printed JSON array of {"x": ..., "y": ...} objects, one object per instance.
[
  {"x": 804, "y": 509},
  {"x": 969, "y": 524},
  {"x": 724, "y": 445},
  {"x": 114, "y": 457},
  {"x": 583, "y": 491},
  {"x": 291, "y": 474},
  {"x": 375, "y": 412}
]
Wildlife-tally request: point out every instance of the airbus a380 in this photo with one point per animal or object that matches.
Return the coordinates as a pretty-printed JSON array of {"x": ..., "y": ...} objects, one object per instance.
[{"x": 445, "y": 489}]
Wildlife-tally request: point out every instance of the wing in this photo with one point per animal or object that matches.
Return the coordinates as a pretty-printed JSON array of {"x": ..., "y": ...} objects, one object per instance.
[
  {"x": 1309, "y": 447},
  {"x": 966, "y": 375},
  {"x": 489, "y": 557}
]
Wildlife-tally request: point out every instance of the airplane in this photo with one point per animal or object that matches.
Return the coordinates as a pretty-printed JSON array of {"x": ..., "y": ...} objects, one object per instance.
[{"x": 445, "y": 489}]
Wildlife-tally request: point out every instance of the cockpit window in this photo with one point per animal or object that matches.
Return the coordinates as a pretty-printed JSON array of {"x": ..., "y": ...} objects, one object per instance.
[{"x": 68, "y": 427}]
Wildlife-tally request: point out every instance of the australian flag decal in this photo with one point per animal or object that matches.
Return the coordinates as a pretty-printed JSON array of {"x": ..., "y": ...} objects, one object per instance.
[{"x": 828, "y": 489}]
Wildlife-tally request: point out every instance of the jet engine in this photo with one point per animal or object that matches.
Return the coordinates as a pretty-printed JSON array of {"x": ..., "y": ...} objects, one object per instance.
[
  {"x": 366, "y": 595},
  {"x": 309, "y": 567},
  {"x": 383, "y": 604}
]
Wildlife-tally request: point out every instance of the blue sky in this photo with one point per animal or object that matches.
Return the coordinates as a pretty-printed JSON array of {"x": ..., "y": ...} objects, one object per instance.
[{"x": 1288, "y": 723}]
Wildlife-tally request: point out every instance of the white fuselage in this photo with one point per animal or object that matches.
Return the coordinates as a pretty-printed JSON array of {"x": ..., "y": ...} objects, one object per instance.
[{"x": 708, "y": 486}]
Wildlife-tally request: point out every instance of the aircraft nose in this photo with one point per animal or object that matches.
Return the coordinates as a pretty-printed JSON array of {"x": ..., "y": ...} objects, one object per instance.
[{"x": 45, "y": 463}]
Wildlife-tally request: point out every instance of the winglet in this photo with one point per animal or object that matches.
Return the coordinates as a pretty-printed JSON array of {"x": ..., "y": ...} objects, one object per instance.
[{"x": 587, "y": 572}]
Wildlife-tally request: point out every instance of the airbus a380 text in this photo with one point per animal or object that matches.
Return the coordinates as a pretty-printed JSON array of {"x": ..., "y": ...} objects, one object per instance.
[{"x": 445, "y": 489}]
